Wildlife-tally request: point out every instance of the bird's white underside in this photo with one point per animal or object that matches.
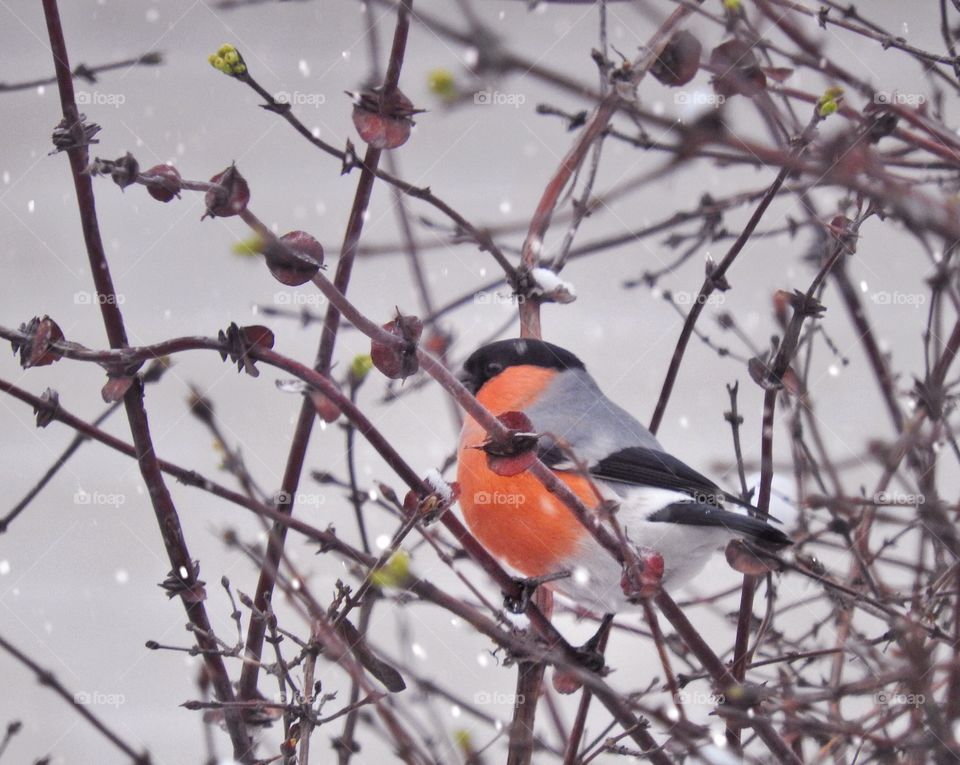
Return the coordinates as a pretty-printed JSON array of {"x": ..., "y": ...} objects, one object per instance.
[{"x": 595, "y": 577}]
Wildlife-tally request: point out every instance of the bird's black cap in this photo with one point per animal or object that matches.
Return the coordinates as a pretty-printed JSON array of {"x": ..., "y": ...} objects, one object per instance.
[{"x": 490, "y": 360}]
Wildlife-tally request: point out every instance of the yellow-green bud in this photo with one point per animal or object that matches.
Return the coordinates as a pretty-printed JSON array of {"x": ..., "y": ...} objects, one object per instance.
[
  {"x": 463, "y": 740},
  {"x": 442, "y": 83},
  {"x": 829, "y": 102},
  {"x": 248, "y": 247},
  {"x": 228, "y": 60},
  {"x": 394, "y": 573},
  {"x": 359, "y": 367}
]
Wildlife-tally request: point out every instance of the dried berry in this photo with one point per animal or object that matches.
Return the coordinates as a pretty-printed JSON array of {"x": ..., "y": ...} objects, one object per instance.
[
  {"x": 229, "y": 197},
  {"x": 327, "y": 409},
  {"x": 116, "y": 388},
  {"x": 761, "y": 374},
  {"x": 565, "y": 681},
  {"x": 256, "y": 335},
  {"x": 166, "y": 183},
  {"x": 236, "y": 343},
  {"x": 880, "y": 125},
  {"x": 383, "y": 120},
  {"x": 644, "y": 578},
  {"x": 36, "y": 349},
  {"x": 678, "y": 61},
  {"x": 125, "y": 170},
  {"x": 781, "y": 307},
  {"x": 517, "y": 450},
  {"x": 736, "y": 70},
  {"x": 295, "y": 259},
  {"x": 398, "y": 361}
]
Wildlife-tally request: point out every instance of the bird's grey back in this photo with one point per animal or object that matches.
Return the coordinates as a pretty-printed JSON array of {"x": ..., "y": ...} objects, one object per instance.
[{"x": 573, "y": 409}]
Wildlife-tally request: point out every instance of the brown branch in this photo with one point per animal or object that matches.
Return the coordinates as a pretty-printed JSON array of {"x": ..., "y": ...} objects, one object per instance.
[
  {"x": 180, "y": 559},
  {"x": 47, "y": 679},
  {"x": 540, "y": 221},
  {"x": 716, "y": 278},
  {"x": 307, "y": 416}
]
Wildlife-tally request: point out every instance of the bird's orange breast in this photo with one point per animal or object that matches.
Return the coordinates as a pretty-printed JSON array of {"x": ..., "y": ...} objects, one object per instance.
[{"x": 515, "y": 517}]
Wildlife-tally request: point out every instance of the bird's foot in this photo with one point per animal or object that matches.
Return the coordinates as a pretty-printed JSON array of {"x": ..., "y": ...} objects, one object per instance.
[
  {"x": 517, "y": 604},
  {"x": 589, "y": 657},
  {"x": 590, "y": 654}
]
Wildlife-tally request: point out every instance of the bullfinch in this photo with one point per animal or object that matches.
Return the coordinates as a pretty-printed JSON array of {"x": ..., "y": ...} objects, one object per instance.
[{"x": 663, "y": 504}]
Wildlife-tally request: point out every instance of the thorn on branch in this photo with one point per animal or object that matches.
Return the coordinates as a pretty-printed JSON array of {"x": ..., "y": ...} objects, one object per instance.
[
  {"x": 186, "y": 584},
  {"x": 47, "y": 414},
  {"x": 237, "y": 342},
  {"x": 350, "y": 158},
  {"x": 124, "y": 171},
  {"x": 67, "y": 135}
]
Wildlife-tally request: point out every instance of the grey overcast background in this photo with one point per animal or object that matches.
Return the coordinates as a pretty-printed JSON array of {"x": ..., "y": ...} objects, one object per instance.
[{"x": 78, "y": 580}]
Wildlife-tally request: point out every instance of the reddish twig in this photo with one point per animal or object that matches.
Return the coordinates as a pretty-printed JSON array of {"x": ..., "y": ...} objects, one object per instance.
[{"x": 168, "y": 520}]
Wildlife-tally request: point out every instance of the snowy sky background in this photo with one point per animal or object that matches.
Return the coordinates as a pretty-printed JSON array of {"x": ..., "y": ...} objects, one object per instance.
[{"x": 77, "y": 582}]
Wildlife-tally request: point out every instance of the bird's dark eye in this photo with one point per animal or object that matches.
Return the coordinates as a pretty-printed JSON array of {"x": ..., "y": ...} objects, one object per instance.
[{"x": 494, "y": 368}]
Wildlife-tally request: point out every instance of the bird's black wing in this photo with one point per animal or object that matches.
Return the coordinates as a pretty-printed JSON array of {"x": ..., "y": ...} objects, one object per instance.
[
  {"x": 649, "y": 467},
  {"x": 638, "y": 466}
]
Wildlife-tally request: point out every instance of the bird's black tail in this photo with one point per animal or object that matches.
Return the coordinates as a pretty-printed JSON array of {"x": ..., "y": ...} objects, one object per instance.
[{"x": 697, "y": 514}]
